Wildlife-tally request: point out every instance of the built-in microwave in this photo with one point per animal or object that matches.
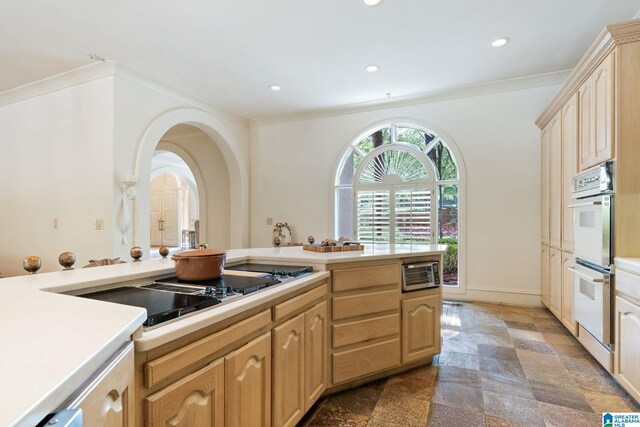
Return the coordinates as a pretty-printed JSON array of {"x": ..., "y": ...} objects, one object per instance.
[{"x": 423, "y": 275}]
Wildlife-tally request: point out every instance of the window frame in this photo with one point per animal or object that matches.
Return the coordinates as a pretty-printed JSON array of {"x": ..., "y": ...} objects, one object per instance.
[{"x": 341, "y": 191}]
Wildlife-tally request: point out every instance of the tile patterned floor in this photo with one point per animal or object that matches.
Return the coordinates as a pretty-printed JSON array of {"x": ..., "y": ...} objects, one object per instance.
[{"x": 500, "y": 366}]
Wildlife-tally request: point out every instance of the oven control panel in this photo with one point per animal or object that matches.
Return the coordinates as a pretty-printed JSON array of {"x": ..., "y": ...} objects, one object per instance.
[{"x": 593, "y": 181}]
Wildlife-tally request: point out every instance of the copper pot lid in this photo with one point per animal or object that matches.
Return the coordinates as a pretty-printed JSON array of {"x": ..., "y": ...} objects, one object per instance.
[{"x": 199, "y": 253}]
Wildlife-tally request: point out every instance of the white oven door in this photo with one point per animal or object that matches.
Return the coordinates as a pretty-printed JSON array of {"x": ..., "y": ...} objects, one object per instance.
[
  {"x": 592, "y": 229},
  {"x": 592, "y": 301}
]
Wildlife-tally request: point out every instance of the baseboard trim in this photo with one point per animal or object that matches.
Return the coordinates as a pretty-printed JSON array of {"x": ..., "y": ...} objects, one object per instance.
[{"x": 496, "y": 295}]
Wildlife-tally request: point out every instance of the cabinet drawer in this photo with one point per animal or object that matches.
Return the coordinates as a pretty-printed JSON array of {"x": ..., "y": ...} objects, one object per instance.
[
  {"x": 364, "y": 330},
  {"x": 628, "y": 283},
  {"x": 361, "y": 361},
  {"x": 362, "y": 304},
  {"x": 169, "y": 364},
  {"x": 281, "y": 311},
  {"x": 366, "y": 277}
]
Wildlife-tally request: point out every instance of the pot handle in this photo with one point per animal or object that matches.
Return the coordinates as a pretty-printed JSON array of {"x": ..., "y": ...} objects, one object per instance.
[{"x": 176, "y": 259}]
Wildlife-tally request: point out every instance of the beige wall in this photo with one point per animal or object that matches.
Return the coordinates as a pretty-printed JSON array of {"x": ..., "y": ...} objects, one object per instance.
[{"x": 56, "y": 162}]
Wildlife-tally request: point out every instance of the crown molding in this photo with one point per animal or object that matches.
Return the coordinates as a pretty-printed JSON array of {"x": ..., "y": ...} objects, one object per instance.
[
  {"x": 610, "y": 37},
  {"x": 57, "y": 82},
  {"x": 487, "y": 88},
  {"x": 107, "y": 68}
]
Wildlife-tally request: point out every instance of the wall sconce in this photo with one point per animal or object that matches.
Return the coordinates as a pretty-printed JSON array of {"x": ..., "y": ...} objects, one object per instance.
[{"x": 129, "y": 187}]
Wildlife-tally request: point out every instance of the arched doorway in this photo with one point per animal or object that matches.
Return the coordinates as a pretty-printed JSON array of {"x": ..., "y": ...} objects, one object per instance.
[
  {"x": 174, "y": 203},
  {"x": 233, "y": 165}
]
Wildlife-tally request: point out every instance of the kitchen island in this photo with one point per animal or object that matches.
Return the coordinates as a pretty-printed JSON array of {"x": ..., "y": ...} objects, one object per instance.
[{"x": 352, "y": 306}]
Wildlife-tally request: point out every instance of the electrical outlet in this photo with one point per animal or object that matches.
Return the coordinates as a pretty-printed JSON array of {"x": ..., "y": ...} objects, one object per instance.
[
  {"x": 269, "y": 221},
  {"x": 99, "y": 224},
  {"x": 55, "y": 223}
]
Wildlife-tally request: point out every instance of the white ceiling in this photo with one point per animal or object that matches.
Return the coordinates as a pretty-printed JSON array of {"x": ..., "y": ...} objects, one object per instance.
[{"x": 227, "y": 52}]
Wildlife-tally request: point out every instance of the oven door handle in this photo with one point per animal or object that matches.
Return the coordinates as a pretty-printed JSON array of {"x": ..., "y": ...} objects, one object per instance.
[
  {"x": 581, "y": 274},
  {"x": 581, "y": 205}
]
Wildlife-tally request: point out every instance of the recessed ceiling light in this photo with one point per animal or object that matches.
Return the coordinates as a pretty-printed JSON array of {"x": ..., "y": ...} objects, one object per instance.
[
  {"x": 502, "y": 41},
  {"x": 372, "y": 68},
  {"x": 275, "y": 88},
  {"x": 371, "y": 2}
]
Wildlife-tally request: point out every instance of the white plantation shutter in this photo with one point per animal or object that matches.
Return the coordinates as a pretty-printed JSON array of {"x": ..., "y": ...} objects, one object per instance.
[
  {"x": 412, "y": 214},
  {"x": 373, "y": 216},
  {"x": 393, "y": 196}
]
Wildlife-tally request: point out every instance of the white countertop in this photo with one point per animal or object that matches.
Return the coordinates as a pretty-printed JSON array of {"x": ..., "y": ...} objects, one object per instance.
[
  {"x": 51, "y": 343},
  {"x": 296, "y": 254},
  {"x": 632, "y": 265}
]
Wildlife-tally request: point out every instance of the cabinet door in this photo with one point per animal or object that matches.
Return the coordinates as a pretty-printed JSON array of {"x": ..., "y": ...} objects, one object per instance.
[
  {"x": 248, "y": 384},
  {"x": 315, "y": 353},
  {"x": 569, "y": 167},
  {"x": 603, "y": 92},
  {"x": 544, "y": 275},
  {"x": 627, "y": 366},
  {"x": 587, "y": 154},
  {"x": 555, "y": 282},
  {"x": 567, "y": 294},
  {"x": 288, "y": 372},
  {"x": 555, "y": 181},
  {"x": 544, "y": 191},
  {"x": 420, "y": 327},
  {"x": 196, "y": 400},
  {"x": 109, "y": 399}
]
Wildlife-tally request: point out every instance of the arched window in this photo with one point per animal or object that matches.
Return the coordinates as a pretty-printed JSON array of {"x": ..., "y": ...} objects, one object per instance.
[{"x": 399, "y": 183}]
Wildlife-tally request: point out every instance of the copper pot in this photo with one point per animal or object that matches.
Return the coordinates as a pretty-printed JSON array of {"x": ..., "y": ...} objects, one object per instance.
[{"x": 202, "y": 264}]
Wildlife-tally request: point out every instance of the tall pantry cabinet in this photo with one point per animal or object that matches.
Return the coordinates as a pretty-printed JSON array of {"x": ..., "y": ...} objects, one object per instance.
[
  {"x": 597, "y": 112},
  {"x": 559, "y": 161}
]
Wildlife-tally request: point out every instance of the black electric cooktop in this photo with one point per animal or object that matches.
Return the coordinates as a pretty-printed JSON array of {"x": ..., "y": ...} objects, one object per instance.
[
  {"x": 161, "y": 305},
  {"x": 279, "y": 270},
  {"x": 238, "y": 284},
  {"x": 171, "y": 298}
]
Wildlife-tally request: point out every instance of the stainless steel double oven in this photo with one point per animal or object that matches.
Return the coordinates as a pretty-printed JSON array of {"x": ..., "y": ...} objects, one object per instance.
[{"x": 593, "y": 204}]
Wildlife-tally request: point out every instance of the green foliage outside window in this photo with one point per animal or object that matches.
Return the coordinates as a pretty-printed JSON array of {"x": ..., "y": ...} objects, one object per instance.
[{"x": 450, "y": 258}]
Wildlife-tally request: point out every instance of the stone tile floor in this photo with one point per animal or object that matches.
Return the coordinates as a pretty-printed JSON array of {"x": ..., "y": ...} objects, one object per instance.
[{"x": 500, "y": 366}]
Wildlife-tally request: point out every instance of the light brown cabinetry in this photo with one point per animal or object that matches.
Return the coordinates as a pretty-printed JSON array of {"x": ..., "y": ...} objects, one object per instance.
[
  {"x": 587, "y": 149},
  {"x": 365, "y": 325},
  {"x": 544, "y": 189},
  {"x": 345, "y": 307},
  {"x": 248, "y": 384},
  {"x": 365, "y": 277},
  {"x": 555, "y": 282},
  {"x": 196, "y": 400},
  {"x": 364, "y": 360},
  {"x": 315, "y": 353},
  {"x": 567, "y": 293},
  {"x": 420, "y": 327},
  {"x": 570, "y": 134},
  {"x": 364, "y": 330},
  {"x": 627, "y": 336},
  {"x": 299, "y": 364},
  {"x": 288, "y": 372},
  {"x": 544, "y": 272},
  {"x": 108, "y": 400},
  {"x": 555, "y": 181},
  {"x": 596, "y": 118},
  {"x": 603, "y": 91}
]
